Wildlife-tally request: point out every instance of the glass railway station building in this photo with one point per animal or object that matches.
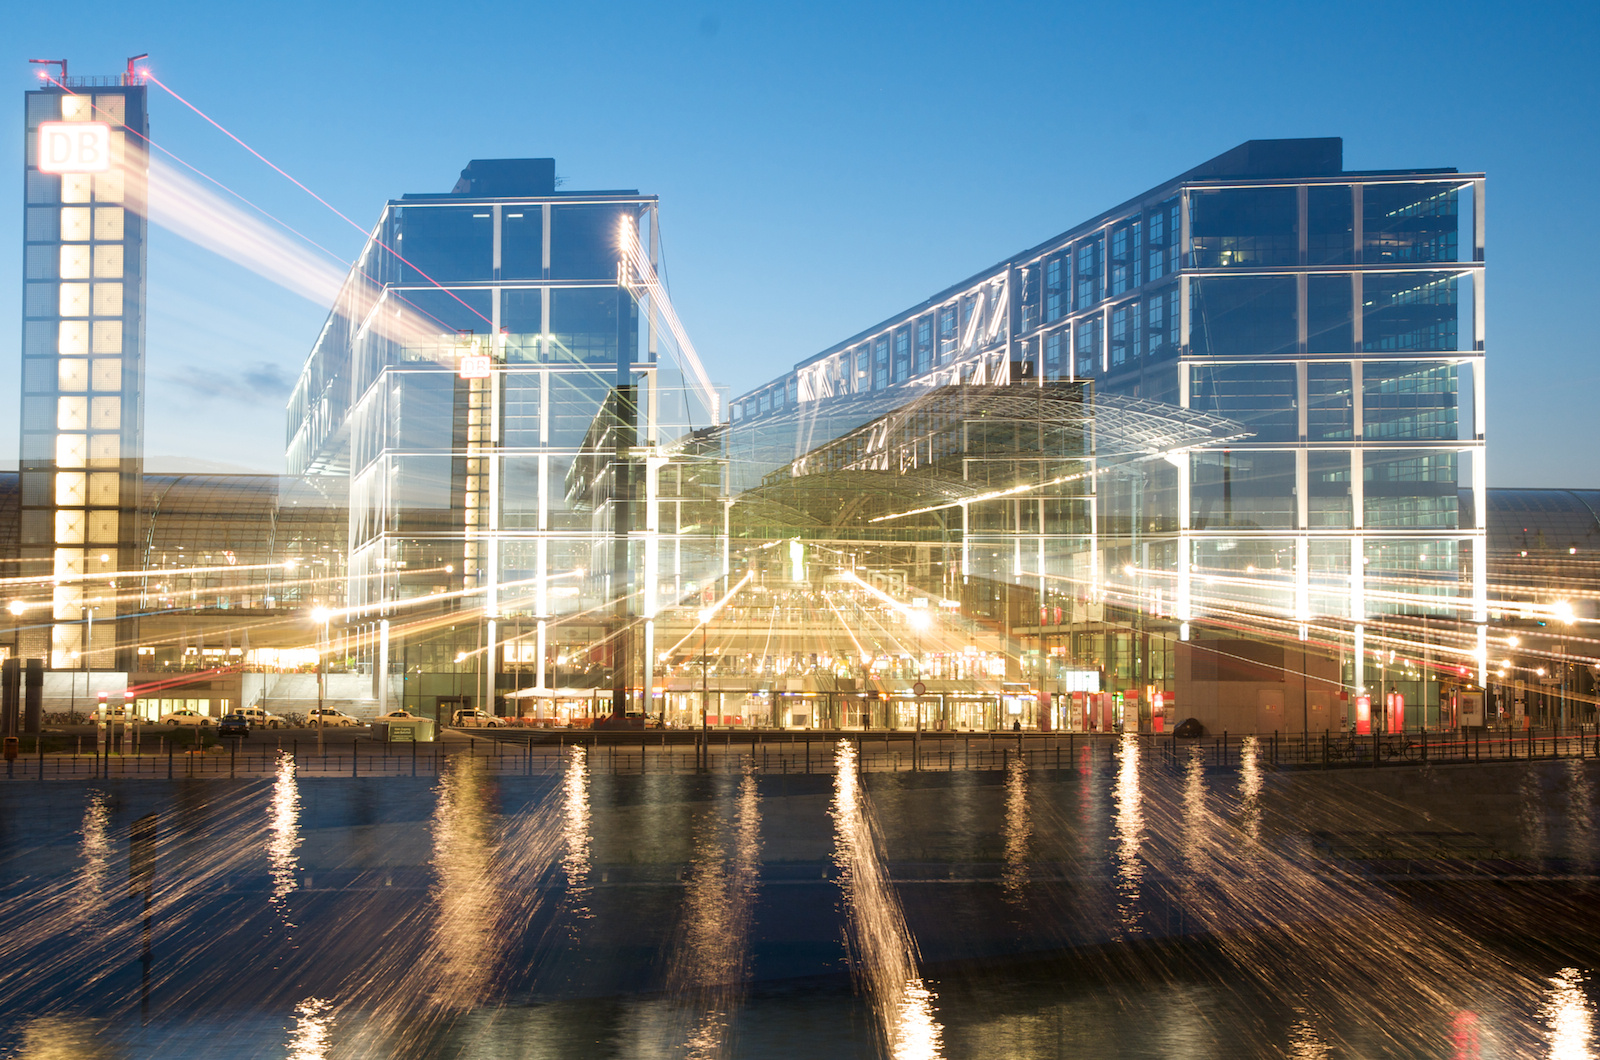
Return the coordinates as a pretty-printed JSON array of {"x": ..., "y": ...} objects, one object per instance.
[
  {"x": 1207, "y": 444},
  {"x": 1216, "y": 452}
]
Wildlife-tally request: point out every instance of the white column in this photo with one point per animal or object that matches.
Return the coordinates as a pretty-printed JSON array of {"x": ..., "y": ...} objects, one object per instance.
[
  {"x": 383, "y": 666},
  {"x": 539, "y": 674},
  {"x": 1358, "y": 677}
]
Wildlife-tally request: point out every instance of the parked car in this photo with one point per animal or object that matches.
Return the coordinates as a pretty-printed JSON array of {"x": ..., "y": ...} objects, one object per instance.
[
  {"x": 329, "y": 718},
  {"x": 472, "y": 717},
  {"x": 399, "y": 715},
  {"x": 235, "y": 724},
  {"x": 261, "y": 719},
  {"x": 186, "y": 717}
]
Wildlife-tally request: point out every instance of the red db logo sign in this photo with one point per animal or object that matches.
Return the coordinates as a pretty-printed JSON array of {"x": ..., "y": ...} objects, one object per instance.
[{"x": 74, "y": 147}]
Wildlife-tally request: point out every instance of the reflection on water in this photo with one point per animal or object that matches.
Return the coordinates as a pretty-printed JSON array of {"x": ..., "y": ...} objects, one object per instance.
[
  {"x": 707, "y": 970},
  {"x": 283, "y": 815},
  {"x": 1464, "y": 1041},
  {"x": 471, "y": 950},
  {"x": 1580, "y": 812},
  {"x": 575, "y": 832},
  {"x": 1196, "y": 833},
  {"x": 1130, "y": 828},
  {"x": 313, "y": 1030},
  {"x": 1017, "y": 831},
  {"x": 1567, "y": 1017},
  {"x": 89, "y": 900},
  {"x": 1250, "y": 789},
  {"x": 883, "y": 953},
  {"x": 466, "y": 899},
  {"x": 1305, "y": 1043}
]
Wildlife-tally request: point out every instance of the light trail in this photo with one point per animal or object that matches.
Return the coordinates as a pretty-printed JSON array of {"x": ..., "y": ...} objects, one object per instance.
[{"x": 372, "y": 235}]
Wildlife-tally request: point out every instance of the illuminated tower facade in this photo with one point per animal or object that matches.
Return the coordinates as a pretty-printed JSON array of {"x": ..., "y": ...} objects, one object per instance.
[{"x": 83, "y": 361}]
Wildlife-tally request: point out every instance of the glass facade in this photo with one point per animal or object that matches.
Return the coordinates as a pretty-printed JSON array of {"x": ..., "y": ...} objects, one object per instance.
[
  {"x": 1336, "y": 317},
  {"x": 506, "y": 395},
  {"x": 83, "y": 362}
]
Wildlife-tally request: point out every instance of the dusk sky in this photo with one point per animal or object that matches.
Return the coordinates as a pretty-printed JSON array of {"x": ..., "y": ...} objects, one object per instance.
[{"x": 823, "y": 165}]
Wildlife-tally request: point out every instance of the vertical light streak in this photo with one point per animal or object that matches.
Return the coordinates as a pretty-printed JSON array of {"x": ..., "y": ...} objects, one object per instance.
[
  {"x": 883, "y": 954},
  {"x": 575, "y": 863},
  {"x": 1250, "y": 790},
  {"x": 710, "y": 956},
  {"x": 1129, "y": 822},
  {"x": 1017, "y": 830},
  {"x": 1196, "y": 821},
  {"x": 89, "y": 899},
  {"x": 466, "y": 900},
  {"x": 283, "y": 834},
  {"x": 313, "y": 1030},
  {"x": 1568, "y": 1022}
]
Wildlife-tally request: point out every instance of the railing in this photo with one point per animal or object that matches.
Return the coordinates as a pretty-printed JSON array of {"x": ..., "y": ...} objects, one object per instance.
[{"x": 518, "y": 753}]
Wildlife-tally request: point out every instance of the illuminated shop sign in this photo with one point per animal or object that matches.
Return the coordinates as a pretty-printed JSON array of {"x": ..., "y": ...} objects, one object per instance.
[
  {"x": 74, "y": 147},
  {"x": 475, "y": 366}
]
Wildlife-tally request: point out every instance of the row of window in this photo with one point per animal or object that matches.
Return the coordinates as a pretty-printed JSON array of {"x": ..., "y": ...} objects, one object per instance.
[{"x": 1231, "y": 316}]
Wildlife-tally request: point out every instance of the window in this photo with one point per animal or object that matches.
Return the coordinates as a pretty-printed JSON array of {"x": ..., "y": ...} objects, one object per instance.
[
  {"x": 1056, "y": 298},
  {"x": 1161, "y": 321},
  {"x": 1124, "y": 334},
  {"x": 924, "y": 359},
  {"x": 1244, "y": 316},
  {"x": 445, "y": 242},
  {"x": 522, "y": 243},
  {"x": 1086, "y": 346},
  {"x": 1330, "y": 225},
  {"x": 902, "y": 354},
  {"x": 1330, "y": 315},
  {"x": 1127, "y": 258},
  {"x": 1249, "y": 227},
  {"x": 1056, "y": 345},
  {"x": 1162, "y": 239},
  {"x": 1244, "y": 489},
  {"x": 583, "y": 241},
  {"x": 948, "y": 333},
  {"x": 1328, "y": 489},
  {"x": 1408, "y": 401},
  {"x": 583, "y": 325},
  {"x": 1329, "y": 408},
  {"x": 880, "y": 363},
  {"x": 1409, "y": 311},
  {"x": 1410, "y": 490},
  {"x": 1409, "y": 223},
  {"x": 1091, "y": 260},
  {"x": 1260, "y": 396}
]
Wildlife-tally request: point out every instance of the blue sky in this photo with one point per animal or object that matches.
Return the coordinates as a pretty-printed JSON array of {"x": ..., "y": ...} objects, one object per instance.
[{"x": 822, "y": 165}]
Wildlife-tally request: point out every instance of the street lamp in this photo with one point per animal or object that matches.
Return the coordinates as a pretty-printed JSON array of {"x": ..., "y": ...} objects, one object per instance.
[{"x": 705, "y": 686}]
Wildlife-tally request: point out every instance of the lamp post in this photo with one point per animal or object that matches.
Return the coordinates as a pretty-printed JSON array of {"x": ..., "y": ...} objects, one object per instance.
[{"x": 705, "y": 686}]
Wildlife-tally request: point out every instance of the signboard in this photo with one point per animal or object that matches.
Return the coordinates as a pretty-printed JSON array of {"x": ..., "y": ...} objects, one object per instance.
[
  {"x": 1363, "y": 714},
  {"x": 1080, "y": 680},
  {"x": 475, "y": 366},
  {"x": 1396, "y": 704},
  {"x": 74, "y": 147},
  {"x": 919, "y": 689},
  {"x": 1470, "y": 707}
]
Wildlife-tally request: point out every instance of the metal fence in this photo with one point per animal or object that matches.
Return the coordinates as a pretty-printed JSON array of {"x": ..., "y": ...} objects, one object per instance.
[{"x": 788, "y": 753}]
